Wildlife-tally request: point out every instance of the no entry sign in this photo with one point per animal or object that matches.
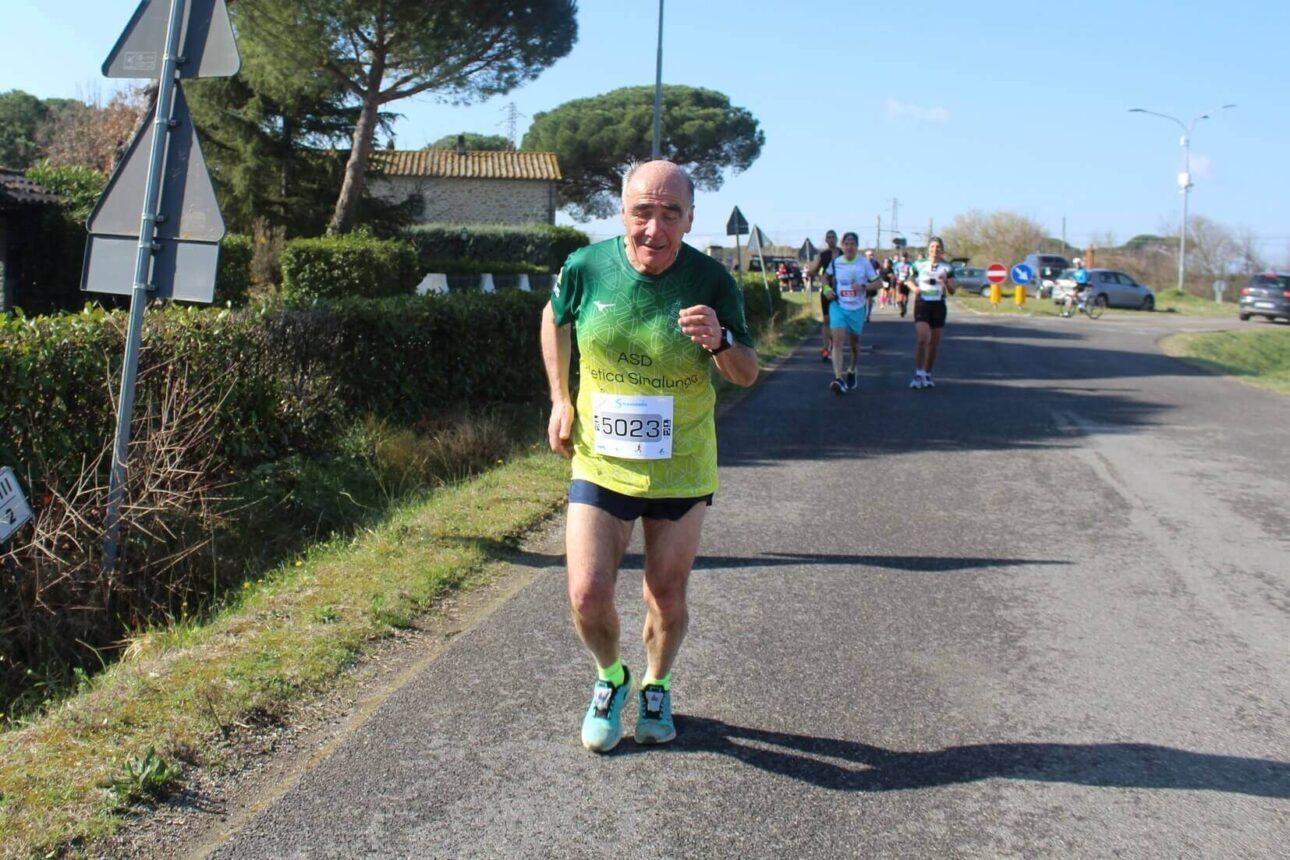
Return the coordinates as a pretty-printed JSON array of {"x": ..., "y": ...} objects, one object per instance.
[{"x": 997, "y": 273}]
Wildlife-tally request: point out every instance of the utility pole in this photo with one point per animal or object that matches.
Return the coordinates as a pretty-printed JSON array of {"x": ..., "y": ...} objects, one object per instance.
[
  {"x": 511, "y": 119},
  {"x": 877, "y": 235},
  {"x": 1064, "y": 245},
  {"x": 895, "y": 206}
]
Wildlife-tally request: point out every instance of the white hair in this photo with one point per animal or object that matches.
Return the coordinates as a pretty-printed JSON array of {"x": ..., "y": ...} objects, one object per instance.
[{"x": 633, "y": 166}]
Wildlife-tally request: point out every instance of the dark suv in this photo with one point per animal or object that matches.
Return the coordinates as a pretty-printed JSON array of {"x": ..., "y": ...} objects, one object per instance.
[{"x": 1268, "y": 295}]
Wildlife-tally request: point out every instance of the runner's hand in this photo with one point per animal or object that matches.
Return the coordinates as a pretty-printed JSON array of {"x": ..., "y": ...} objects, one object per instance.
[
  {"x": 701, "y": 324},
  {"x": 559, "y": 430}
]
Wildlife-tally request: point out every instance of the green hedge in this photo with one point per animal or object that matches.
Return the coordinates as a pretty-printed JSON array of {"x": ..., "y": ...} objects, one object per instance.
[
  {"x": 233, "y": 277},
  {"x": 349, "y": 266},
  {"x": 543, "y": 245}
]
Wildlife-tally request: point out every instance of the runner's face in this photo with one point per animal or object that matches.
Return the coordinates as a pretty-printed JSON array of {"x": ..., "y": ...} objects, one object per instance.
[
  {"x": 934, "y": 252},
  {"x": 831, "y": 239},
  {"x": 849, "y": 247},
  {"x": 657, "y": 213}
]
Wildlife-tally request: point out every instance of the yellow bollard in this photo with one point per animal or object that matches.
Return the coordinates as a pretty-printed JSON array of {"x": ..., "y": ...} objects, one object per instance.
[
  {"x": 1019, "y": 296},
  {"x": 996, "y": 294}
]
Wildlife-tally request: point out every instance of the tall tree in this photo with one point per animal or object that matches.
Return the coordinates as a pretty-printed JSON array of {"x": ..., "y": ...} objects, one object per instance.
[
  {"x": 595, "y": 138},
  {"x": 21, "y": 116},
  {"x": 984, "y": 238},
  {"x": 267, "y": 134},
  {"x": 382, "y": 51},
  {"x": 473, "y": 141}
]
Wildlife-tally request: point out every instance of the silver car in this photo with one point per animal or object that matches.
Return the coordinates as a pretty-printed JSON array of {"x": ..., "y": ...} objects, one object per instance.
[
  {"x": 972, "y": 280},
  {"x": 1108, "y": 287}
]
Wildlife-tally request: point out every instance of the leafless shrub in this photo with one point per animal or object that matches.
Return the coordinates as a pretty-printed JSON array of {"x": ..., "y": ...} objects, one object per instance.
[{"x": 57, "y": 604}]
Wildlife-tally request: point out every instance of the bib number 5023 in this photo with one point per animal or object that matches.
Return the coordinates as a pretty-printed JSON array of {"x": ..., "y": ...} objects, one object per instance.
[{"x": 632, "y": 427}]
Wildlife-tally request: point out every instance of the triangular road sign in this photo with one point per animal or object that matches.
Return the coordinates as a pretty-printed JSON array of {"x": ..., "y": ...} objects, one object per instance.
[
  {"x": 807, "y": 252},
  {"x": 188, "y": 204},
  {"x": 737, "y": 225},
  {"x": 757, "y": 241},
  {"x": 209, "y": 46}
]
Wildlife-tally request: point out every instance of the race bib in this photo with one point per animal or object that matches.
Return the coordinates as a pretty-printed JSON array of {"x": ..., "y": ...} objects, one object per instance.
[{"x": 632, "y": 427}]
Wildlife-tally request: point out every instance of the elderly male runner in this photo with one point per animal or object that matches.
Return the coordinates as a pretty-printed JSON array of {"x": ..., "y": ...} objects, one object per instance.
[{"x": 652, "y": 315}]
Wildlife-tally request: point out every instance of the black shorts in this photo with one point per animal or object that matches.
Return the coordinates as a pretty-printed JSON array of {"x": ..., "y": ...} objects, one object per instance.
[
  {"x": 630, "y": 507},
  {"x": 932, "y": 313},
  {"x": 825, "y": 301},
  {"x": 904, "y": 290}
]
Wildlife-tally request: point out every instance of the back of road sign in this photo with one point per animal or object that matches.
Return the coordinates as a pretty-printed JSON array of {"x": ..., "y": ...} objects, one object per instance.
[
  {"x": 209, "y": 47},
  {"x": 737, "y": 224},
  {"x": 188, "y": 235}
]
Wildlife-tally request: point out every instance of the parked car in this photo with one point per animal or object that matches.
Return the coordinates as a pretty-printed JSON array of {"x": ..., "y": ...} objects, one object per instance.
[
  {"x": 1110, "y": 288},
  {"x": 1268, "y": 295},
  {"x": 1046, "y": 268},
  {"x": 972, "y": 280}
]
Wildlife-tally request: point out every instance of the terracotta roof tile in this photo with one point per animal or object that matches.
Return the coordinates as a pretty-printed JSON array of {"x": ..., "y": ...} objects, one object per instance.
[
  {"x": 474, "y": 164},
  {"x": 17, "y": 190}
]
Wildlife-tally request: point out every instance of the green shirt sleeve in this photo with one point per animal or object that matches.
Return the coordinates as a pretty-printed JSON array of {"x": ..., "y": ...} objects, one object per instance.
[
  {"x": 728, "y": 302},
  {"x": 566, "y": 295}
]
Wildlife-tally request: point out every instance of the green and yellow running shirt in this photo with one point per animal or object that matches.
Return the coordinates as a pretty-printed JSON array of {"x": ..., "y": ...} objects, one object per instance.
[{"x": 644, "y": 423}]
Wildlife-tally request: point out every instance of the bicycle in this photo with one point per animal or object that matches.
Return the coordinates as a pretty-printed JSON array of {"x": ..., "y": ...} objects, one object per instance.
[{"x": 1091, "y": 308}]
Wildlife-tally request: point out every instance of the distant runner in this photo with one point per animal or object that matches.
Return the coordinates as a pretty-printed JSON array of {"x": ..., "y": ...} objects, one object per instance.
[
  {"x": 817, "y": 267},
  {"x": 652, "y": 316},
  {"x": 903, "y": 274},
  {"x": 847, "y": 280},
  {"x": 931, "y": 280}
]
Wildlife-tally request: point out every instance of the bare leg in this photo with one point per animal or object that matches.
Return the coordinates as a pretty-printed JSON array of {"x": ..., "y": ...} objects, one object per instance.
[
  {"x": 670, "y": 548},
  {"x": 855, "y": 350},
  {"x": 932, "y": 344},
  {"x": 595, "y": 541},
  {"x": 922, "y": 341},
  {"x": 839, "y": 341}
]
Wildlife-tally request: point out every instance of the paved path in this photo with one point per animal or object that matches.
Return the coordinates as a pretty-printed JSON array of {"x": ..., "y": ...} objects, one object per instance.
[{"x": 1043, "y": 609}]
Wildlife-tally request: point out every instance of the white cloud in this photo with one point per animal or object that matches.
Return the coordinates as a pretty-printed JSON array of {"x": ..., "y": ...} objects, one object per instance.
[{"x": 896, "y": 109}]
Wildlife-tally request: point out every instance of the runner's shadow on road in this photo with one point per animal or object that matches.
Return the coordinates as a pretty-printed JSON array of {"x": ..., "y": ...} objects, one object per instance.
[{"x": 843, "y": 765}]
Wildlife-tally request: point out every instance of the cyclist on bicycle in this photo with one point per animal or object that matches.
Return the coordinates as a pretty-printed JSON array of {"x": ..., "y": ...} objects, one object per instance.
[{"x": 1080, "y": 293}]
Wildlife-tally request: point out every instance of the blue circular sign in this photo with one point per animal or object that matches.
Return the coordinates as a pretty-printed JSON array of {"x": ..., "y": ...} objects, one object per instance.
[{"x": 1022, "y": 274}]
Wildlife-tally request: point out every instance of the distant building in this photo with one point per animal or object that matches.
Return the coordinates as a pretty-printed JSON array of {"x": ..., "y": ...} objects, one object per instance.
[
  {"x": 22, "y": 203},
  {"x": 468, "y": 186},
  {"x": 727, "y": 255}
]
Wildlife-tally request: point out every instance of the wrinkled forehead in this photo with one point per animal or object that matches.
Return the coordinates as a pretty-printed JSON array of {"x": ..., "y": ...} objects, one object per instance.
[{"x": 657, "y": 186}]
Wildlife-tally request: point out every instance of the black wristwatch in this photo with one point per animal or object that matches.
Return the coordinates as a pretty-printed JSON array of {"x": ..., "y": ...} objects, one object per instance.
[{"x": 727, "y": 341}]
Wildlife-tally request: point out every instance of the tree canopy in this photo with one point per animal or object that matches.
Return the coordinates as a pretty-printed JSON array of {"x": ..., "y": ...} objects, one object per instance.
[
  {"x": 21, "y": 116},
  {"x": 1002, "y": 236},
  {"x": 381, "y": 51},
  {"x": 473, "y": 141},
  {"x": 595, "y": 138}
]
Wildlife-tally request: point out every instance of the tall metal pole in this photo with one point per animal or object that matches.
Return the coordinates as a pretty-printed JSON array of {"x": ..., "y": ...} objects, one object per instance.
[
  {"x": 1184, "y": 180},
  {"x": 877, "y": 234},
  {"x": 656, "y": 151},
  {"x": 142, "y": 277}
]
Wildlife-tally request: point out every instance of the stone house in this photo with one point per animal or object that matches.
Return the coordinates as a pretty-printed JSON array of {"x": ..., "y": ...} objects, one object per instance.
[{"x": 468, "y": 186}]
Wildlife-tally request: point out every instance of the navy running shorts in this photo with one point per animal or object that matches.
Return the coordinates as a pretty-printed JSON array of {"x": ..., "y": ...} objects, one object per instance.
[{"x": 630, "y": 507}]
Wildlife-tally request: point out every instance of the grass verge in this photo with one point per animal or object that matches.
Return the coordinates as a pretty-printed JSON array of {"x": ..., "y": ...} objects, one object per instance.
[
  {"x": 1260, "y": 357},
  {"x": 67, "y": 776},
  {"x": 1167, "y": 301}
]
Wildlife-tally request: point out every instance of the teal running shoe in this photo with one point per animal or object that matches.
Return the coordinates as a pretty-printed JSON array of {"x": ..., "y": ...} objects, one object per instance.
[
  {"x": 602, "y": 727},
  {"x": 654, "y": 721}
]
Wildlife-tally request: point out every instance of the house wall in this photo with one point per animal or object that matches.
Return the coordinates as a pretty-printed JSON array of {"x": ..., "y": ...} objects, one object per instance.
[{"x": 498, "y": 201}]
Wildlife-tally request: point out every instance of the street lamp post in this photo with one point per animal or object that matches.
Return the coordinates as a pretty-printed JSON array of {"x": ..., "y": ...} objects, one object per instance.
[
  {"x": 1184, "y": 178},
  {"x": 656, "y": 151}
]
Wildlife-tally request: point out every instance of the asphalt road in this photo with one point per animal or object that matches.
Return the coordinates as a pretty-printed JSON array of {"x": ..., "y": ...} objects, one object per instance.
[{"x": 1043, "y": 609}]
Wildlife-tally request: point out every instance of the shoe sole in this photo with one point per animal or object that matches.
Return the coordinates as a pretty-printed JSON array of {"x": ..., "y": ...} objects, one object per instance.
[
  {"x": 602, "y": 750},
  {"x": 653, "y": 742}
]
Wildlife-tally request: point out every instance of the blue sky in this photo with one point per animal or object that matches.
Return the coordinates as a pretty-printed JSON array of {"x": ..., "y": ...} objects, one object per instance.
[{"x": 946, "y": 106}]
